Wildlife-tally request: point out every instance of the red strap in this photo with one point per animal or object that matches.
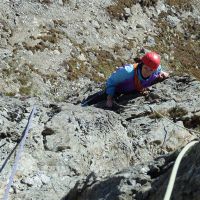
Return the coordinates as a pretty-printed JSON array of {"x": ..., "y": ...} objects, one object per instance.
[{"x": 137, "y": 83}]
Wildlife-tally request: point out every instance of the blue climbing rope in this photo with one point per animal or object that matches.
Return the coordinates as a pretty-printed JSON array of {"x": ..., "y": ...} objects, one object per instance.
[{"x": 18, "y": 154}]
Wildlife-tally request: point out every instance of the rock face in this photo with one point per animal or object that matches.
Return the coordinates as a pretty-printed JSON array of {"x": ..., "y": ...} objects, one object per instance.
[
  {"x": 142, "y": 182},
  {"x": 111, "y": 153},
  {"x": 54, "y": 49},
  {"x": 187, "y": 183},
  {"x": 53, "y": 54}
]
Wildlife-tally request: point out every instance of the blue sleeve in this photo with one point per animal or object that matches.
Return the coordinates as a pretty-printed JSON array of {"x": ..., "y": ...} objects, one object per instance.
[{"x": 120, "y": 75}]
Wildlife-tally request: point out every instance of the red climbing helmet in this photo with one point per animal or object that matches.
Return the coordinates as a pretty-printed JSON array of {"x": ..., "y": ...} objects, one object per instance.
[{"x": 151, "y": 59}]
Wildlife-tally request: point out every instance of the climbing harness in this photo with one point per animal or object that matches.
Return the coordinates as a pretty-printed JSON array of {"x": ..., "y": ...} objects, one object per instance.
[
  {"x": 175, "y": 169},
  {"x": 137, "y": 82},
  {"x": 18, "y": 154}
]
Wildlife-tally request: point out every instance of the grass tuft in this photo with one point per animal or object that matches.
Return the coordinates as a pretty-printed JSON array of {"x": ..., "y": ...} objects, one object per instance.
[{"x": 176, "y": 113}]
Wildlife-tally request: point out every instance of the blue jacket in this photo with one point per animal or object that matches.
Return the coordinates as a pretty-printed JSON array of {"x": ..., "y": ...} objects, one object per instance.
[{"x": 122, "y": 80}]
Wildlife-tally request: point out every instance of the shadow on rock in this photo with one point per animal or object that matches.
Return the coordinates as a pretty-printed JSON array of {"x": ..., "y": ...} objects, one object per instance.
[
  {"x": 92, "y": 189},
  {"x": 98, "y": 100}
]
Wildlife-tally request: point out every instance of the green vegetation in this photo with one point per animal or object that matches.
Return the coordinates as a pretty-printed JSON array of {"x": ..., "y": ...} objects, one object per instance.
[
  {"x": 185, "y": 46},
  {"x": 177, "y": 113},
  {"x": 23, "y": 77},
  {"x": 10, "y": 94},
  {"x": 74, "y": 68},
  {"x": 49, "y": 39},
  {"x": 45, "y": 1},
  {"x": 105, "y": 62},
  {"x": 38, "y": 47},
  {"x": 58, "y": 22},
  {"x": 65, "y": 2},
  {"x": 180, "y": 4},
  {"x": 159, "y": 114},
  {"x": 25, "y": 90},
  {"x": 192, "y": 122},
  {"x": 52, "y": 35},
  {"x": 116, "y": 11}
]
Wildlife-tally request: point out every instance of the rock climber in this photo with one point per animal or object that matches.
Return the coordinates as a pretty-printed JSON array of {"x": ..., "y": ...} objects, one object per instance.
[
  {"x": 130, "y": 78},
  {"x": 135, "y": 77}
]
